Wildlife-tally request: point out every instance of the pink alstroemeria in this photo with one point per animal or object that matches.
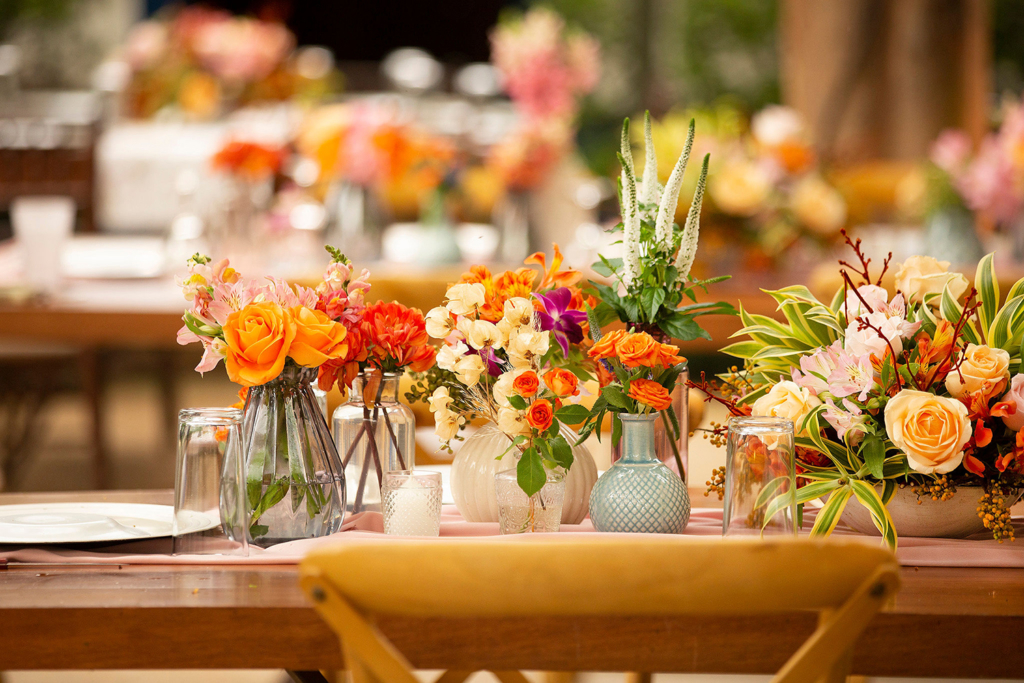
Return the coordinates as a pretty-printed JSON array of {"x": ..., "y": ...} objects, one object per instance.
[
  {"x": 851, "y": 374},
  {"x": 876, "y": 298},
  {"x": 817, "y": 367},
  {"x": 844, "y": 420},
  {"x": 213, "y": 351}
]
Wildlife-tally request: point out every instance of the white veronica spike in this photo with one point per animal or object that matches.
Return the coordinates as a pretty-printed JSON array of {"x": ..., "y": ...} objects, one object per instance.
[
  {"x": 688, "y": 243},
  {"x": 670, "y": 197},
  {"x": 650, "y": 181},
  {"x": 631, "y": 225},
  {"x": 627, "y": 151}
]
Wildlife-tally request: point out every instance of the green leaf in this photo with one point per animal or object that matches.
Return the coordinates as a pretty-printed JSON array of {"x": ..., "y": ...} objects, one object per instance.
[
  {"x": 518, "y": 402},
  {"x": 572, "y": 413},
  {"x": 743, "y": 349},
  {"x": 872, "y": 450},
  {"x": 561, "y": 451},
  {"x": 274, "y": 494},
  {"x": 987, "y": 284},
  {"x": 616, "y": 398},
  {"x": 530, "y": 472},
  {"x": 616, "y": 429},
  {"x": 607, "y": 267},
  {"x": 652, "y": 298},
  {"x": 831, "y": 511},
  {"x": 682, "y": 327},
  {"x": 868, "y": 497}
]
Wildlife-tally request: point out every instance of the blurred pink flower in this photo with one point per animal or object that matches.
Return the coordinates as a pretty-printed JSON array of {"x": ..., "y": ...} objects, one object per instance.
[
  {"x": 147, "y": 45},
  {"x": 243, "y": 49},
  {"x": 951, "y": 150},
  {"x": 989, "y": 183}
]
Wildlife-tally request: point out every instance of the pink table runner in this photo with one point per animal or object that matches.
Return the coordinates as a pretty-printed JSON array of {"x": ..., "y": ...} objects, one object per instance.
[{"x": 979, "y": 551}]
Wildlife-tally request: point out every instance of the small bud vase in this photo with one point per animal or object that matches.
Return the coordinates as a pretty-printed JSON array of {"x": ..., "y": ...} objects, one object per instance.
[
  {"x": 639, "y": 494},
  {"x": 294, "y": 482}
]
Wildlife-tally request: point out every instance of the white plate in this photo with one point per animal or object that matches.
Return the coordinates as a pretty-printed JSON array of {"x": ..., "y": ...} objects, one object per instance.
[
  {"x": 93, "y": 522},
  {"x": 113, "y": 258}
]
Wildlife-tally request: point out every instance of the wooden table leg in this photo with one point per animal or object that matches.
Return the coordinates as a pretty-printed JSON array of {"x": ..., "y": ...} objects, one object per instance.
[
  {"x": 90, "y": 366},
  {"x": 635, "y": 677},
  {"x": 559, "y": 677}
]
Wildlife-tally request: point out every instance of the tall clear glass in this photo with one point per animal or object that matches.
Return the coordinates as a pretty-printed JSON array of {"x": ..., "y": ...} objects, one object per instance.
[
  {"x": 209, "y": 486},
  {"x": 375, "y": 433},
  {"x": 760, "y": 477},
  {"x": 295, "y": 485}
]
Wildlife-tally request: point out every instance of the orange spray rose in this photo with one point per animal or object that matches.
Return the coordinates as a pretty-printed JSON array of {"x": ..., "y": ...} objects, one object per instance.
[
  {"x": 650, "y": 393},
  {"x": 258, "y": 338},
  {"x": 318, "y": 339},
  {"x": 562, "y": 382},
  {"x": 638, "y": 349},
  {"x": 606, "y": 346},
  {"x": 668, "y": 356},
  {"x": 541, "y": 414},
  {"x": 526, "y": 384}
]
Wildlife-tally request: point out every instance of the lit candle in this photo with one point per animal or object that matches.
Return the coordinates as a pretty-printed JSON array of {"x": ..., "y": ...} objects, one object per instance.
[{"x": 412, "y": 503}]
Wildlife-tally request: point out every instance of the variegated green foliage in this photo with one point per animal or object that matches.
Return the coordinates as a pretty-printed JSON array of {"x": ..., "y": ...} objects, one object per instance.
[{"x": 998, "y": 323}]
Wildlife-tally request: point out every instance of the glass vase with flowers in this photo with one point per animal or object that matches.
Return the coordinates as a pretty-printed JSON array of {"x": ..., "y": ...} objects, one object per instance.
[{"x": 272, "y": 338}]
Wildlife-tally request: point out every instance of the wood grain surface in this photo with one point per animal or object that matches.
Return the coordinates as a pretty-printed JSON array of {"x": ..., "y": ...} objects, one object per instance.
[{"x": 945, "y": 622}]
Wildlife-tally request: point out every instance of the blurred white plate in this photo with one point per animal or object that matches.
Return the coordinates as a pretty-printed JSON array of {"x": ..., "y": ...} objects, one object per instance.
[
  {"x": 92, "y": 522},
  {"x": 113, "y": 258}
]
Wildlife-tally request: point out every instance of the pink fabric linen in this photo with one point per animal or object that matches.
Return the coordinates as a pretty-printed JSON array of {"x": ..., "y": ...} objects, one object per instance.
[{"x": 979, "y": 551}]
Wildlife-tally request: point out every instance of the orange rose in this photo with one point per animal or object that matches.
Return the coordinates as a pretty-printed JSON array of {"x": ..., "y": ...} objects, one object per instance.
[
  {"x": 638, "y": 349},
  {"x": 606, "y": 346},
  {"x": 561, "y": 382},
  {"x": 318, "y": 339},
  {"x": 540, "y": 415},
  {"x": 668, "y": 356},
  {"x": 526, "y": 384},
  {"x": 650, "y": 393},
  {"x": 258, "y": 338}
]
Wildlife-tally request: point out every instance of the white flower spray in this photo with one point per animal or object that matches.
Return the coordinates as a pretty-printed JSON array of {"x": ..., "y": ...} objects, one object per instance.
[
  {"x": 630, "y": 212},
  {"x": 688, "y": 242},
  {"x": 670, "y": 198},
  {"x": 650, "y": 180}
]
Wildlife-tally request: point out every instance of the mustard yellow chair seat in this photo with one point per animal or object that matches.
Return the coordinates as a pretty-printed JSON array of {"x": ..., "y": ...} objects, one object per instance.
[{"x": 847, "y": 582}]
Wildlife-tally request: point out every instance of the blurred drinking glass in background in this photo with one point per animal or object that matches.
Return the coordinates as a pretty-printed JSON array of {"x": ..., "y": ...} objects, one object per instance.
[
  {"x": 760, "y": 477},
  {"x": 42, "y": 226}
]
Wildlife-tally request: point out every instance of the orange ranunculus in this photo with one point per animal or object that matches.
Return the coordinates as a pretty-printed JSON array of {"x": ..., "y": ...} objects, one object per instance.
[
  {"x": 562, "y": 382},
  {"x": 397, "y": 337},
  {"x": 526, "y": 384},
  {"x": 258, "y": 338},
  {"x": 638, "y": 349},
  {"x": 318, "y": 339},
  {"x": 606, "y": 346},
  {"x": 668, "y": 356},
  {"x": 650, "y": 393},
  {"x": 540, "y": 415}
]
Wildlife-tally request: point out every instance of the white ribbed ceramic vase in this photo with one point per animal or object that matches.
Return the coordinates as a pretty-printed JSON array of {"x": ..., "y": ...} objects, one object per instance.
[{"x": 476, "y": 464}]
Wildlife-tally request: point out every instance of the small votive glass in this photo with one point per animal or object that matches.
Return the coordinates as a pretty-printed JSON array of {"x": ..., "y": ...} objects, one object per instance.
[
  {"x": 522, "y": 514},
  {"x": 210, "y": 515},
  {"x": 760, "y": 477},
  {"x": 411, "y": 501}
]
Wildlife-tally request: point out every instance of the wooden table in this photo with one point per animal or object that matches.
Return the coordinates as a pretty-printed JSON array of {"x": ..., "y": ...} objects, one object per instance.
[{"x": 944, "y": 622}]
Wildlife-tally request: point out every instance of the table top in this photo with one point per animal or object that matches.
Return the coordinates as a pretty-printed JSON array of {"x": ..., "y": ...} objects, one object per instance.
[{"x": 949, "y": 622}]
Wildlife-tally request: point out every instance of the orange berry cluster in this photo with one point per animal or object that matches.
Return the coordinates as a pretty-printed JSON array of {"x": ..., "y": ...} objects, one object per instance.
[
  {"x": 995, "y": 515},
  {"x": 939, "y": 489},
  {"x": 716, "y": 484}
]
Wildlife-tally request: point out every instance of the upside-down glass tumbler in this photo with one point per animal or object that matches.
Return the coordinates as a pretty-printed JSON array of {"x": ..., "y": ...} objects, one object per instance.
[{"x": 760, "y": 477}]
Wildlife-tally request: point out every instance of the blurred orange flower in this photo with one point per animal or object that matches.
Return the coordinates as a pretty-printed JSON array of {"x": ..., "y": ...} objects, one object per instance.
[{"x": 248, "y": 160}]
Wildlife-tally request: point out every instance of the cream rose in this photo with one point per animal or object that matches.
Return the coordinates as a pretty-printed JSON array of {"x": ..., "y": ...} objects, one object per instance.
[
  {"x": 465, "y": 298},
  {"x": 439, "y": 322},
  {"x": 787, "y": 399},
  {"x": 819, "y": 206},
  {"x": 919, "y": 276},
  {"x": 740, "y": 189},
  {"x": 930, "y": 429},
  {"x": 983, "y": 370},
  {"x": 1015, "y": 396}
]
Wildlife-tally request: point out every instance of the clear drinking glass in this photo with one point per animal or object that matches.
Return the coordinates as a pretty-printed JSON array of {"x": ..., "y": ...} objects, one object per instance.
[
  {"x": 43, "y": 226},
  {"x": 209, "y": 485},
  {"x": 412, "y": 503},
  {"x": 760, "y": 477},
  {"x": 519, "y": 513}
]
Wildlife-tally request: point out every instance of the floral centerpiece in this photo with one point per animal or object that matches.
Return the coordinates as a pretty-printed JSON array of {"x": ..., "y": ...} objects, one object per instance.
[
  {"x": 912, "y": 388},
  {"x": 275, "y": 339}
]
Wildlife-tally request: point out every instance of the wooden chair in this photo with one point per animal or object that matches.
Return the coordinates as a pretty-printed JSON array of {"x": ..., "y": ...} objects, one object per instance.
[{"x": 604, "y": 576}]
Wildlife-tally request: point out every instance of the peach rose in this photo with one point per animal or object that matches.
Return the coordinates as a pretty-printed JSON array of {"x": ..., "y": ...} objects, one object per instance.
[
  {"x": 638, "y": 349},
  {"x": 526, "y": 384},
  {"x": 318, "y": 339},
  {"x": 931, "y": 430},
  {"x": 258, "y": 339},
  {"x": 1015, "y": 396},
  {"x": 562, "y": 382},
  {"x": 540, "y": 414},
  {"x": 650, "y": 393},
  {"x": 789, "y": 400},
  {"x": 920, "y": 276},
  {"x": 606, "y": 346},
  {"x": 984, "y": 371}
]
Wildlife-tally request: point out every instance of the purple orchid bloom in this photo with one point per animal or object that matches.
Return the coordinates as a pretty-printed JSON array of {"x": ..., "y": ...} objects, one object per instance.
[
  {"x": 566, "y": 325},
  {"x": 491, "y": 360}
]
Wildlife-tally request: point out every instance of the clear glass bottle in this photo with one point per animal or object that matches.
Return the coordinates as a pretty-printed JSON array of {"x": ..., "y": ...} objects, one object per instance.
[
  {"x": 295, "y": 486},
  {"x": 375, "y": 433}
]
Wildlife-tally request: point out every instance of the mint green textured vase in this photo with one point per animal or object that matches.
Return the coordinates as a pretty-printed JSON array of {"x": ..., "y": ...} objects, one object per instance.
[{"x": 639, "y": 494}]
